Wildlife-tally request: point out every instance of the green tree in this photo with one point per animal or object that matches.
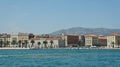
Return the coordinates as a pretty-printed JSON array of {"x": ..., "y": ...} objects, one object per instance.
[
  {"x": 45, "y": 43},
  {"x": 8, "y": 43},
  {"x": 30, "y": 36},
  {"x": 118, "y": 43},
  {"x": 20, "y": 43},
  {"x": 32, "y": 41},
  {"x": 26, "y": 43},
  {"x": 113, "y": 43},
  {"x": 39, "y": 44},
  {"x": 1, "y": 43},
  {"x": 5, "y": 43},
  {"x": 14, "y": 42},
  {"x": 51, "y": 42}
]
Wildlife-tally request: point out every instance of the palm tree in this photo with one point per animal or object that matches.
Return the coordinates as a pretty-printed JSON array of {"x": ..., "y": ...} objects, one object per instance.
[
  {"x": 5, "y": 43},
  {"x": 20, "y": 43},
  {"x": 79, "y": 43},
  {"x": 8, "y": 43},
  {"x": 45, "y": 42},
  {"x": 118, "y": 43},
  {"x": 51, "y": 46},
  {"x": 113, "y": 44},
  {"x": 1, "y": 43},
  {"x": 32, "y": 41},
  {"x": 39, "y": 44},
  {"x": 14, "y": 42},
  {"x": 31, "y": 36},
  {"x": 26, "y": 42}
]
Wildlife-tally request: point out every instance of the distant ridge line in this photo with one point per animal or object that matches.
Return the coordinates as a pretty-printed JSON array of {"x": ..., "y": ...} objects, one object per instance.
[{"x": 85, "y": 31}]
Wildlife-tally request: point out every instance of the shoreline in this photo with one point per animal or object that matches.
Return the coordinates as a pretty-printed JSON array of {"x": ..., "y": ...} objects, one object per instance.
[{"x": 7, "y": 48}]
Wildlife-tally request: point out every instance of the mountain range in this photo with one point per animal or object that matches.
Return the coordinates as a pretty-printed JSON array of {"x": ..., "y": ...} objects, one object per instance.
[{"x": 85, "y": 31}]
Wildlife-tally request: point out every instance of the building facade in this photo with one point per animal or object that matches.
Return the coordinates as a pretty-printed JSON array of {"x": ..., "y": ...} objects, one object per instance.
[
  {"x": 112, "y": 40},
  {"x": 5, "y": 40},
  {"x": 102, "y": 41},
  {"x": 23, "y": 40},
  {"x": 51, "y": 42},
  {"x": 70, "y": 40},
  {"x": 91, "y": 40},
  {"x": 14, "y": 40}
]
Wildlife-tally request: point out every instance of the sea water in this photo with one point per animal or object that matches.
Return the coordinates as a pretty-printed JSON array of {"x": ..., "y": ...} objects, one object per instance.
[{"x": 60, "y": 58}]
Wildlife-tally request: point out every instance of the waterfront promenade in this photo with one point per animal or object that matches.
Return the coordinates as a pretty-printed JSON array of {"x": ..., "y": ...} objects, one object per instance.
[
  {"x": 13, "y": 48},
  {"x": 7, "y": 48}
]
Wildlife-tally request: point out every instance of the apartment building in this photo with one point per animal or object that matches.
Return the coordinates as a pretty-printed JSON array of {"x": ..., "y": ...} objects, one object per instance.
[
  {"x": 112, "y": 40},
  {"x": 70, "y": 40},
  {"x": 13, "y": 40},
  {"x": 4, "y": 40},
  {"x": 91, "y": 40},
  {"x": 49, "y": 42},
  {"x": 23, "y": 40},
  {"x": 102, "y": 41}
]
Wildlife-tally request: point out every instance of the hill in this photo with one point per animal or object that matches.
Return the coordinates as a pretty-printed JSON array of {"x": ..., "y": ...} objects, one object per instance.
[{"x": 85, "y": 31}]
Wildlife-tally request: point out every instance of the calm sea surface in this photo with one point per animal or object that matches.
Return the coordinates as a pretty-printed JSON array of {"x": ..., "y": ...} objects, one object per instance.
[{"x": 60, "y": 58}]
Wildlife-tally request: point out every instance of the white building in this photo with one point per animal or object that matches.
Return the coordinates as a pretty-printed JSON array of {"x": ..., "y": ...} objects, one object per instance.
[
  {"x": 91, "y": 40},
  {"x": 56, "y": 42},
  {"x": 14, "y": 37},
  {"x": 112, "y": 40}
]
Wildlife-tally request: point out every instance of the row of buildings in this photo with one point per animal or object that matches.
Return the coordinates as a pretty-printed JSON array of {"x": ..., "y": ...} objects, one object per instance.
[{"x": 25, "y": 40}]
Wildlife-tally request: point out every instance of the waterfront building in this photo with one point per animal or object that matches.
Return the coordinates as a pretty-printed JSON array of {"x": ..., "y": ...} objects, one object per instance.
[
  {"x": 112, "y": 40},
  {"x": 52, "y": 42},
  {"x": 81, "y": 40},
  {"x": 34, "y": 41},
  {"x": 91, "y": 40},
  {"x": 49, "y": 42},
  {"x": 4, "y": 40},
  {"x": 23, "y": 40},
  {"x": 14, "y": 40},
  {"x": 55, "y": 42},
  {"x": 102, "y": 41},
  {"x": 70, "y": 40}
]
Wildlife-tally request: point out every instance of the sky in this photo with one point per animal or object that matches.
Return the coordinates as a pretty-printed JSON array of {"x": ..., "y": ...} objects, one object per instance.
[{"x": 47, "y": 16}]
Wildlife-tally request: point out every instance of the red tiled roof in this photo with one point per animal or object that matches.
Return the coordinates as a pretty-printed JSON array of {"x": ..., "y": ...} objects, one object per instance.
[
  {"x": 92, "y": 35},
  {"x": 102, "y": 37},
  {"x": 114, "y": 34}
]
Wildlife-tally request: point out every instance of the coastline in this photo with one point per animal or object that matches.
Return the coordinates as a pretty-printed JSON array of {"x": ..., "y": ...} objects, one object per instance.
[{"x": 7, "y": 48}]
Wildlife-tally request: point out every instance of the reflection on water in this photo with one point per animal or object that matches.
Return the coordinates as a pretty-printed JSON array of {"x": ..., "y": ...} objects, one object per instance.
[{"x": 60, "y": 58}]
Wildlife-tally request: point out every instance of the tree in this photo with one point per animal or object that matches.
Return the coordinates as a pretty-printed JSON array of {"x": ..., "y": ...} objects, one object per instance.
[
  {"x": 1, "y": 43},
  {"x": 45, "y": 42},
  {"x": 112, "y": 44},
  {"x": 118, "y": 43},
  {"x": 32, "y": 41},
  {"x": 20, "y": 43},
  {"x": 39, "y": 44},
  {"x": 5, "y": 43},
  {"x": 14, "y": 42},
  {"x": 31, "y": 36},
  {"x": 8, "y": 43},
  {"x": 79, "y": 43},
  {"x": 51, "y": 46},
  {"x": 26, "y": 42}
]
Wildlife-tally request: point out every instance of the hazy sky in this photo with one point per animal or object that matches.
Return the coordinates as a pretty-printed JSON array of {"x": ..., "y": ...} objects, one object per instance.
[{"x": 46, "y": 16}]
